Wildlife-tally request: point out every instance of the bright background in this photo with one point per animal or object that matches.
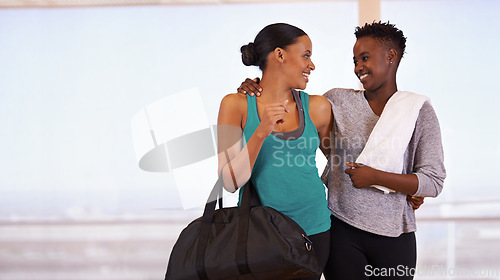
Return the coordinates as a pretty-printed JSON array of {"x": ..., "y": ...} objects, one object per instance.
[{"x": 72, "y": 79}]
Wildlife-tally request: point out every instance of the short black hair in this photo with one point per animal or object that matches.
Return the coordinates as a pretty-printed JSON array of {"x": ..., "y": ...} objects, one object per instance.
[
  {"x": 385, "y": 32},
  {"x": 271, "y": 37}
]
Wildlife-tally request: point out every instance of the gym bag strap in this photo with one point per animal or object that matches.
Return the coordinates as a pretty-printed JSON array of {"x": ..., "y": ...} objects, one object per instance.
[{"x": 241, "y": 243}]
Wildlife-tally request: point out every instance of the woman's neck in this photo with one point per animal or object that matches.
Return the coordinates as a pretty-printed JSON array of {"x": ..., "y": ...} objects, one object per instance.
[
  {"x": 382, "y": 94},
  {"x": 273, "y": 90},
  {"x": 378, "y": 98}
]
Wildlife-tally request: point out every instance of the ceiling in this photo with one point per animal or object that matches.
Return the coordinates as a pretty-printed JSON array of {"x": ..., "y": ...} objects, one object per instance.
[{"x": 95, "y": 3}]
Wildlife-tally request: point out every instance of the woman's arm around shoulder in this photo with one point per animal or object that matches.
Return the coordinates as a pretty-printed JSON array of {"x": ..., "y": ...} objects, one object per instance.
[{"x": 320, "y": 111}]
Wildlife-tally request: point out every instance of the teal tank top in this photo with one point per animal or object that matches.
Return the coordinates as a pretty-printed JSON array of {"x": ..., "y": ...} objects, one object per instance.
[{"x": 285, "y": 173}]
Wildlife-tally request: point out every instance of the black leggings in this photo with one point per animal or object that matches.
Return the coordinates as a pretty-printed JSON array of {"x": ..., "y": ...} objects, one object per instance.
[
  {"x": 359, "y": 255},
  {"x": 321, "y": 246}
]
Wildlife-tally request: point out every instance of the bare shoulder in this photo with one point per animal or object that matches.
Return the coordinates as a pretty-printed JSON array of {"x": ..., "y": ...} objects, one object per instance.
[
  {"x": 320, "y": 111},
  {"x": 232, "y": 108},
  {"x": 233, "y": 102},
  {"x": 319, "y": 103},
  {"x": 234, "y": 99}
]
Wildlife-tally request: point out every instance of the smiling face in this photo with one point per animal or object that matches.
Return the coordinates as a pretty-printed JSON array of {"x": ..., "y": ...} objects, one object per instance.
[
  {"x": 297, "y": 64},
  {"x": 373, "y": 63}
]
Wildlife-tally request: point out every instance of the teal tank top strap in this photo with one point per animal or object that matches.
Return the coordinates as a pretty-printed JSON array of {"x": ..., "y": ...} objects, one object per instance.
[
  {"x": 304, "y": 97},
  {"x": 307, "y": 118},
  {"x": 252, "y": 118}
]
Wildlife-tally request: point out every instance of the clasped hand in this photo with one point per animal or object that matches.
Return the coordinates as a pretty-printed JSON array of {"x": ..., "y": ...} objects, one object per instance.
[
  {"x": 273, "y": 114},
  {"x": 362, "y": 176}
]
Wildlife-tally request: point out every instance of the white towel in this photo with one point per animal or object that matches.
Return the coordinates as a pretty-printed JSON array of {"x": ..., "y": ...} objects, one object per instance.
[{"x": 389, "y": 139}]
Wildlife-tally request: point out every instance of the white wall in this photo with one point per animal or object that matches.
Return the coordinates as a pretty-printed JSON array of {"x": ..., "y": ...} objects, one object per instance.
[{"x": 72, "y": 79}]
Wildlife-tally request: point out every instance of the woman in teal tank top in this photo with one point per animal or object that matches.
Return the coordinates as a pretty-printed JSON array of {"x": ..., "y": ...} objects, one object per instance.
[{"x": 273, "y": 140}]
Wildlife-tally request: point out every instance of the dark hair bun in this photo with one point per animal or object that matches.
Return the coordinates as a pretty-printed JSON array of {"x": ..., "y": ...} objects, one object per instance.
[{"x": 248, "y": 55}]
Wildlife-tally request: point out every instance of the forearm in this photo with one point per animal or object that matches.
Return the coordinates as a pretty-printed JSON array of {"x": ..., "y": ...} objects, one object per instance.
[
  {"x": 404, "y": 183},
  {"x": 237, "y": 171}
]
